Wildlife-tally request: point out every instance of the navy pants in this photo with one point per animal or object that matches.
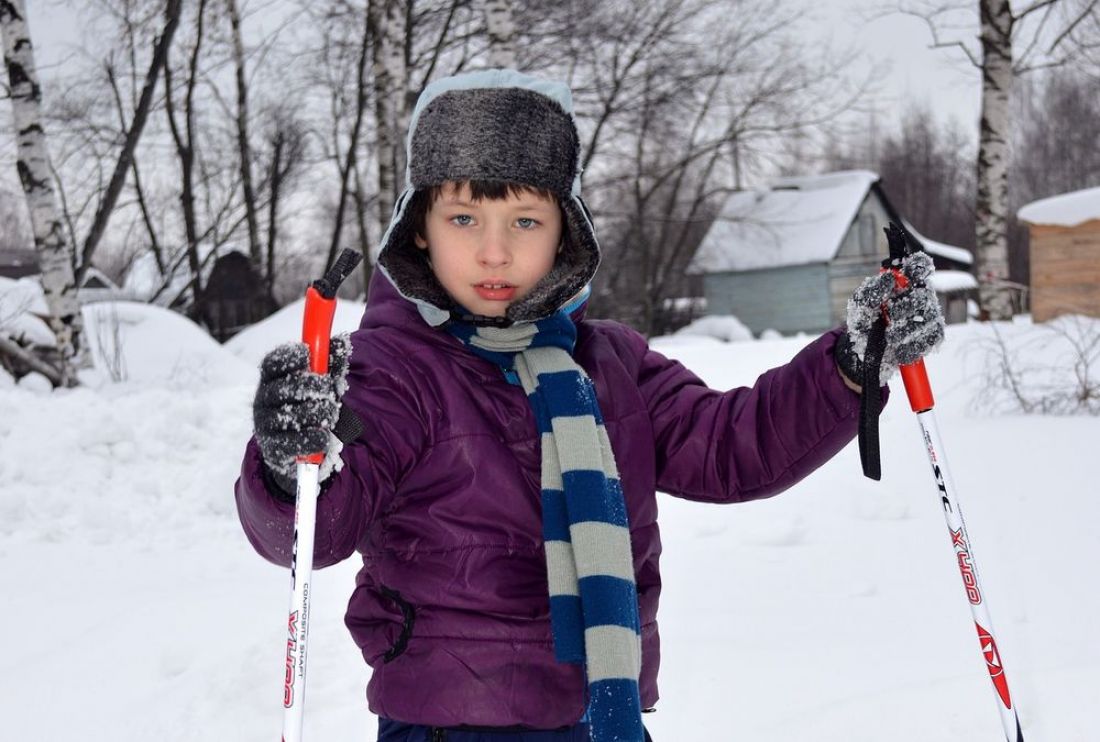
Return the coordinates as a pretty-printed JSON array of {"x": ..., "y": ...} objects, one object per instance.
[{"x": 397, "y": 731}]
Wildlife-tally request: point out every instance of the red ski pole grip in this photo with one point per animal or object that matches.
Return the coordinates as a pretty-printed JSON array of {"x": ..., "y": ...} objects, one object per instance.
[
  {"x": 917, "y": 387},
  {"x": 913, "y": 375},
  {"x": 317, "y": 329}
]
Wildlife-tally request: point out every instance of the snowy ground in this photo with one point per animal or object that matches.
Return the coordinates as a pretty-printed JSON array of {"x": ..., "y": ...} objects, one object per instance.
[{"x": 832, "y": 613}]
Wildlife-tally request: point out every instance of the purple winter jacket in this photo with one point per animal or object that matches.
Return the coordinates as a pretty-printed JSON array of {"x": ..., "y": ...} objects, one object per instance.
[{"x": 441, "y": 497}]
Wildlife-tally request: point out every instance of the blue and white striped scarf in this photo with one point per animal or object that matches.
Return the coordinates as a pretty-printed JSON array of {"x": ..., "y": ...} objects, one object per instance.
[{"x": 593, "y": 597}]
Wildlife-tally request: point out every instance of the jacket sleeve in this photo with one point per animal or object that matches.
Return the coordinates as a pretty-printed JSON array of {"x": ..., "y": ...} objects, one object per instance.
[
  {"x": 750, "y": 442},
  {"x": 350, "y": 499}
]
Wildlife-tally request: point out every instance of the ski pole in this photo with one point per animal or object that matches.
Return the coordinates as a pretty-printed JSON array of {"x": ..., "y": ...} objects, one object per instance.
[
  {"x": 920, "y": 400},
  {"x": 919, "y": 391},
  {"x": 316, "y": 331}
]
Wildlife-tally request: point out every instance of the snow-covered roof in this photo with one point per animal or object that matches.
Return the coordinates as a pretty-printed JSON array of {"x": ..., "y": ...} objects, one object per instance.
[
  {"x": 1066, "y": 210},
  {"x": 798, "y": 220},
  {"x": 958, "y": 254},
  {"x": 94, "y": 274},
  {"x": 945, "y": 282}
]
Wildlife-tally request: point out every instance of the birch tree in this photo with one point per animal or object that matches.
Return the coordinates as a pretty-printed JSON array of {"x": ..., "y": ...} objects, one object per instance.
[
  {"x": 55, "y": 253},
  {"x": 991, "y": 207},
  {"x": 430, "y": 39},
  {"x": 390, "y": 67},
  {"x": 1001, "y": 61}
]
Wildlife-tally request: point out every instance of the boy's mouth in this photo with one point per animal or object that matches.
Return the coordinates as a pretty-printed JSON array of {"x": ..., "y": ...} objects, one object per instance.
[{"x": 494, "y": 290}]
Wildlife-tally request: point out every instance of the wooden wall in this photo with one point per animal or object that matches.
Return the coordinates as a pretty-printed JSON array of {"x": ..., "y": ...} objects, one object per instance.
[
  {"x": 845, "y": 275},
  {"x": 790, "y": 299},
  {"x": 860, "y": 255},
  {"x": 1065, "y": 270}
]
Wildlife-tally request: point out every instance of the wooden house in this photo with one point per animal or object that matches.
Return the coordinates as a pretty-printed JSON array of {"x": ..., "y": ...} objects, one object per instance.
[
  {"x": 96, "y": 286},
  {"x": 788, "y": 257},
  {"x": 18, "y": 263},
  {"x": 1064, "y": 234}
]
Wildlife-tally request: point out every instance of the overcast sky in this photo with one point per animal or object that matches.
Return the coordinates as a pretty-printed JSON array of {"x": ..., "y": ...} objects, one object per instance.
[{"x": 898, "y": 48}]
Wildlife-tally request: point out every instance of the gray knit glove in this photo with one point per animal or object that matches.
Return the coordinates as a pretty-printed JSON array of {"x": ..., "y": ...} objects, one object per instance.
[
  {"x": 916, "y": 324},
  {"x": 295, "y": 410}
]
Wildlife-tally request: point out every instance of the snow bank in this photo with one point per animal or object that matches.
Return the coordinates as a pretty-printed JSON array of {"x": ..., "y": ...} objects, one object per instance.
[
  {"x": 724, "y": 327},
  {"x": 22, "y": 295},
  {"x": 127, "y": 341},
  {"x": 22, "y": 305},
  {"x": 132, "y": 337},
  {"x": 1066, "y": 210},
  {"x": 1048, "y": 367}
]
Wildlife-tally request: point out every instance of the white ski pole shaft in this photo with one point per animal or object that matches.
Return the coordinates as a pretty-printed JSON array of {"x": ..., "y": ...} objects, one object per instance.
[
  {"x": 301, "y": 572},
  {"x": 920, "y": 399},
  {"x": 316, "y": 331}
]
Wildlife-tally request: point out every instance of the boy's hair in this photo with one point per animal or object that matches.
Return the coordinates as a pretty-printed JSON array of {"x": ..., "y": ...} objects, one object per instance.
[{"x": 493, "y": 190}]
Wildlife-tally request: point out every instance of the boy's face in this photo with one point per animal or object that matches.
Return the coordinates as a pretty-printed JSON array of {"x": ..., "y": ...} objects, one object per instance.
[{"x": 488, "y": 254}]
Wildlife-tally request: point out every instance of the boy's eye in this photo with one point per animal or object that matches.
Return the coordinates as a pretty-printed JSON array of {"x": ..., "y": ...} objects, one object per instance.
[
  {"x": 462, "y": 220},
  {"x": 526, "y": 222}
]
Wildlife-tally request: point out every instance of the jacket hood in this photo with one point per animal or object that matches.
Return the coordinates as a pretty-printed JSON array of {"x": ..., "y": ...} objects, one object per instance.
[{"x": 493, "y": 125}]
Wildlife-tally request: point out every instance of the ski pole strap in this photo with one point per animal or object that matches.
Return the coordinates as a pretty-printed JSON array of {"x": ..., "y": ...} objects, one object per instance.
[{"x": 870, "y": 401}]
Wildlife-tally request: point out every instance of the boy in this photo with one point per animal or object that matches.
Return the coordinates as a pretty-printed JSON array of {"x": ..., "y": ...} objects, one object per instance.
[{"x": 494, "y": 456}]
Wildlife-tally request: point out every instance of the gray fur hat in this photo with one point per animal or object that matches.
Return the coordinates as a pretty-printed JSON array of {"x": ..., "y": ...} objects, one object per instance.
[{"x": 497, "y": 126}]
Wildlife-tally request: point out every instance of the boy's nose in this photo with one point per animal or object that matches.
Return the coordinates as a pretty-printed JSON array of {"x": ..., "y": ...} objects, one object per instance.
[{"x": 494, "y": 249}]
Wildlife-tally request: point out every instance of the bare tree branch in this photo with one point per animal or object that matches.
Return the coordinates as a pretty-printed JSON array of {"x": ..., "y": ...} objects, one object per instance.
[
  {"x": 1073, "y": 25},
  {"x": 937, "y": 42},
  {"x": 1035, "y": 6},
  {"x": 133, "y": 134}
]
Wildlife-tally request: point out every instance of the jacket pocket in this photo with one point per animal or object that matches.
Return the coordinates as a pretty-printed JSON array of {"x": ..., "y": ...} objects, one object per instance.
[{"x": 408, "y": 618}]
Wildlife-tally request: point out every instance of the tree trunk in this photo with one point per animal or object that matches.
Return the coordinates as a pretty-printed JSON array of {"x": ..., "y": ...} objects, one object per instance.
[
  {"x": 992, "y": 201},
  {"x": 185, "y": 151},
  {"x": 502, "y": 33},
  {"x": 139, "y": 189},
  {"x": 55, "y": 254},
  {"x": 364, "y": 233},
  {"x": 388, "y": 21},
  {"x": 278, "y": 145},
  {"x": 244, "y": 148}
]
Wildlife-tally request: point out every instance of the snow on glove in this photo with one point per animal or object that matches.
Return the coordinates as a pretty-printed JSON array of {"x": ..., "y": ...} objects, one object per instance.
[
  {"x": 916, "y": 324},
  {"x": 295, "y": 411}
]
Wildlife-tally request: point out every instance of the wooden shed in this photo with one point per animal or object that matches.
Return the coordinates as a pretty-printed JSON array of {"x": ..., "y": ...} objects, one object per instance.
[
  {"x": 1064, "y": 235},
  {"x": 788, "y": 257},
  {"x": 235, "y": 296}
]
